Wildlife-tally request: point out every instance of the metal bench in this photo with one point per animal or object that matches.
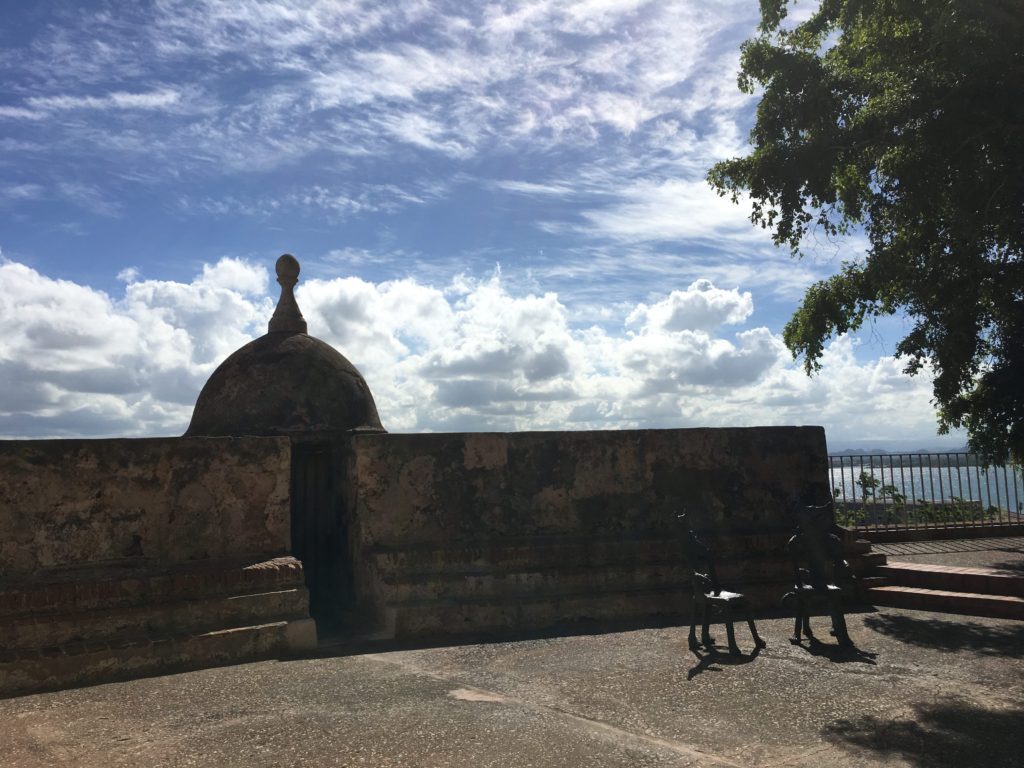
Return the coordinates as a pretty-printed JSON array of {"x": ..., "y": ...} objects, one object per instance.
[
  {"x": 709, "y": 596},
  {"x": 816, "y": 554}
]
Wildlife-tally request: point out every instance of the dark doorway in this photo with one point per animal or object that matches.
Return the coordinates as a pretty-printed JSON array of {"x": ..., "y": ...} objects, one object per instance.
[{"x": 319, "y": 536}]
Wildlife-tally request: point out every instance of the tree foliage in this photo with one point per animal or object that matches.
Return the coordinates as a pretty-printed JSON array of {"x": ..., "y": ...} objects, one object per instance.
[{"x": 904, "y": 118}]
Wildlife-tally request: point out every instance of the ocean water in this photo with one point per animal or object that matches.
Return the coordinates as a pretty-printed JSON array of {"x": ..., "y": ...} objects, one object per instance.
[{"x": 999, "y": 487}]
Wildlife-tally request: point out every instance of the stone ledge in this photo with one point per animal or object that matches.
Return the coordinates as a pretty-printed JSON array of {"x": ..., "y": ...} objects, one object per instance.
[
  {"x": 102, "y": 624},
  {"x": 84, "y": 663},
  {"x": 97, "y": 589},
  {"x": 32, "y": 630}
]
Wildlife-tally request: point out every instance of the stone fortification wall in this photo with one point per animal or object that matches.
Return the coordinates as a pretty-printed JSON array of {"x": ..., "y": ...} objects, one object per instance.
[
  {"x": 516, "y": 531},
  {"x": 132, "y": 557},
  {"x": 68, "y": 504},
  {"x": 450, "y": 487}
]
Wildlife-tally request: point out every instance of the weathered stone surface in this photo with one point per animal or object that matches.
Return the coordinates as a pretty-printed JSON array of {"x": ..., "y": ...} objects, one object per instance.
[
  {"x": 113, "y": 623},
  {"x": 122, "y": 557},
  {"x": 284, "y": 384},
  {"x": 92, "y": 503},
  {"x": 454, "y": 487},
  {"x": 472, "y": 533}
]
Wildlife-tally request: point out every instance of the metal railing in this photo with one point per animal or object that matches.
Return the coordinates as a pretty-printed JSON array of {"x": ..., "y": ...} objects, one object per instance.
[{"x": 914, "y": 490}]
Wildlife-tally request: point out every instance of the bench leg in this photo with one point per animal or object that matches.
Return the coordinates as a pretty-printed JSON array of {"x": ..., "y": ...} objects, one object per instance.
[
  {"x": 758, "y": 642},
  {"x": 705, "y": 633},
  {"x": 797, "y": 622},
  {"x": 839, "y": 625},
  {"x": 807, "y": 626},
  {"x": 730, "y": 633}
]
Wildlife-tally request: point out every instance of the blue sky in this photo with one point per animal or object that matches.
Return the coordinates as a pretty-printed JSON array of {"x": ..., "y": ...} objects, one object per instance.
[{"x": 500, "y": 211}]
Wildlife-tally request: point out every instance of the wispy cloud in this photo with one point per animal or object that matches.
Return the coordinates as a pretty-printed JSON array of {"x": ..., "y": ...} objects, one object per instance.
[
  {"x": 20, "y": 113},
  {"x": 441, "y": 76},
  {"x": 21, "y": 191},
  {"x": 90, "y": 197},
  {"x": 149, "y": 100},
  {"x": 558, "y": 189},
  {"x": 671, "y": 210}
]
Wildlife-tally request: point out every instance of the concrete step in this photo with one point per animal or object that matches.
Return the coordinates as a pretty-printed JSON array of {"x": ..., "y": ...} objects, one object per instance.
[
  {"x": 78, "y": 663},
  {"x": 986, "y": 581},
  {"x": 945, "y": 601},
  {"x": 866, "y": 565},
  {"x": 873, "y": 559},
  {"x": 482, "y": 616},
  {"x": 867, "y": 582},
  {"x": 857, "y": 547},
  {"x": 33, "y": 630}
]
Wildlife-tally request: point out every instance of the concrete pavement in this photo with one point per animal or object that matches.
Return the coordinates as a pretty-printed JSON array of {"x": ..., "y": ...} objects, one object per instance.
[{"x": 924, "y": 690}]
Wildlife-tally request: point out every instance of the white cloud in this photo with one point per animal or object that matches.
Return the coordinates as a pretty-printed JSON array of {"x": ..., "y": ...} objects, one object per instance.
[
  {"x": 90, "y": 197},
  {"x": 400, "y": 73},
  {"x": 534, "y": 188},
  {"x": 701, "y": 306},
  {"x": 673, "y": 210},
  {"x": 470, "y": 355},
  {"x": 129, "y": 275},
  {"x": 323, "y": 76},
  {"x": 20, "y": 113},
  {"x": 75, "y": 361},
  {"x": 155, "y": 100},
  {"x": 21, "y": 192},
  {"x": 235, "y": 275},
  {"x": 427, "y": 133}
]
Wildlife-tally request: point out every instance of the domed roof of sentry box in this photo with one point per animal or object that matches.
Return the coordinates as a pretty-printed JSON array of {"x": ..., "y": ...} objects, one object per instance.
[{"x": 284, "y": 383}]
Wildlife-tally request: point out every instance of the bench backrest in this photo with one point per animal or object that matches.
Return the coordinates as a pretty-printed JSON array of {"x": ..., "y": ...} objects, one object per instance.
[
  {"x": 700, "y": 559},
  {"x": 815, "y": 551}
]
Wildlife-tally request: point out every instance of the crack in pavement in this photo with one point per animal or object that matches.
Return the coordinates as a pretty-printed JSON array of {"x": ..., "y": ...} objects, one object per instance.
[{"x": 467, "y": 692}]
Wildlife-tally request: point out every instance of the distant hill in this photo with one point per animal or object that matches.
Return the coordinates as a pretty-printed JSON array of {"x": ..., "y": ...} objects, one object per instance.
[{"x": 884, "y": 452}]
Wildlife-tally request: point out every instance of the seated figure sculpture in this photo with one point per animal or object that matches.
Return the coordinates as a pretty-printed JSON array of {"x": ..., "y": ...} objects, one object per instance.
[
  {"x": 817, "y": 558},
  {"x": 708, "y": 595}
]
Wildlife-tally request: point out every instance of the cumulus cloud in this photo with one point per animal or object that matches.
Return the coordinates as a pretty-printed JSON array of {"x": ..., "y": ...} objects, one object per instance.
[
  {"x": 701, "y": 306},
  {"x": 469, "y": 355},
  {"x": 236, "y": 275},
  {"x": 75, "y": 361},
  {"x": 670, "y": 362}
]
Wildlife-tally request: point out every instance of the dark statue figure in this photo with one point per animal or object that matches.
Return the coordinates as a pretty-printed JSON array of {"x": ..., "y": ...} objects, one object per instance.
[
  {"x": 709, "y": 596},
  {"x": 817, "y": 557}
]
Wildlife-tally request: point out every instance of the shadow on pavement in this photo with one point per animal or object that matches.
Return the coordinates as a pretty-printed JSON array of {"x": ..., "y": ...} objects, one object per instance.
[
  {"x": 837, "y": 653},
  {"x": 953, "y": 634},
  {"x": 706, "y": 660},
  {"x": 949, "y": 733},
  {"x": 1011, "y": 566}
]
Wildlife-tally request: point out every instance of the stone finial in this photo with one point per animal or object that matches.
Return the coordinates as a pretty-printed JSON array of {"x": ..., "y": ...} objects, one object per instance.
[{"x": 287, "y": 316}]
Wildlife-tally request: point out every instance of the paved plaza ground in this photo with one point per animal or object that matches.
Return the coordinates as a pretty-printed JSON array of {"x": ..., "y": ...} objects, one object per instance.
[{"x": 924, "y": 689}]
